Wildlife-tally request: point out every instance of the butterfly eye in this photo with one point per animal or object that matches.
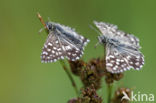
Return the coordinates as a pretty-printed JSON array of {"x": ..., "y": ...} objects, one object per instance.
[
  {"x": 50, "y": 26},
  {"x": 102, "y": 39}
]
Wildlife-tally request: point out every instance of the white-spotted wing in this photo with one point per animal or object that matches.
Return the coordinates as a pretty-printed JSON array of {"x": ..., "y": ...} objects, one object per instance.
[
  {"x": 62, "y": 42},
  {"x": 121, "y": 59},
  {"x": 122, "y": 49},
  {"x": 111, "y": 31}
]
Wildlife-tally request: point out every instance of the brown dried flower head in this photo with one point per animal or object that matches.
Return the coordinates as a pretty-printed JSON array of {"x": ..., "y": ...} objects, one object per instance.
[
  {"x": 74, "y": 100},
  {"x": 90, "y": 76},
  {"x": 89, "y": 95},
  {"x": 110, "y": 77},
  {"x": 76, "y": 66}
]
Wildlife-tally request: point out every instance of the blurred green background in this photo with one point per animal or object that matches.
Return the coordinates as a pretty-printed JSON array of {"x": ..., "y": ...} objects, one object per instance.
[{"x": 24, "y": 79}]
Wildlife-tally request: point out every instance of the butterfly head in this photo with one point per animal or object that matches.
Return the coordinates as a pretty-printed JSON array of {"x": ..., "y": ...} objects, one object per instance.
[
  {"x": 50, "y": 25},
  {"x": 102, "y": 39}
]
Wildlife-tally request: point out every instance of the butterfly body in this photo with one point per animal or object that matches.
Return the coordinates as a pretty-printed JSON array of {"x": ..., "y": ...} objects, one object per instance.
[
  {"x": 62, "y": 42},
  {"x": 122, "y": 49},
  {"x": 105, "y": 40}
]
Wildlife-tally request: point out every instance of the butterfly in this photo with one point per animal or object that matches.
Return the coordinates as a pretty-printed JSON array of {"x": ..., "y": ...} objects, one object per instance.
[
  {"x": 62, "y": 42},
  {"x": 122, "y": 49}
]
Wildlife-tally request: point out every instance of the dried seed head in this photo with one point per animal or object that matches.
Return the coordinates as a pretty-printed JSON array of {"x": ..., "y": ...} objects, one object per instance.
[
  {"x": 110, "y": 77},
  {"x": 99, "y": 65},
  {"x": 89, "y": 95},
  {"x": 89, "y": 76},
  {"x": 76, "y": 66},
  {"x": 74, "y": 100}
]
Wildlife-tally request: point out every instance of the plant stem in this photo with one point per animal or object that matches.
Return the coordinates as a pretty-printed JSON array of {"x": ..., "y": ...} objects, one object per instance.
[
  {"x": 109, "y": 88},
  {"x": 42, "y": 21},
  {"x": 70, "y": 76}
]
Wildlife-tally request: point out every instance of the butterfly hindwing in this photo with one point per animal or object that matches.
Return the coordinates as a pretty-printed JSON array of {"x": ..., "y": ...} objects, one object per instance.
[{"x": 73, "y": 52}]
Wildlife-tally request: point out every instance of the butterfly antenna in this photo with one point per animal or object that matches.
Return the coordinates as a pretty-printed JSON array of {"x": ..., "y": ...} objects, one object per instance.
[
  {"x": 94, "y": 29},
  {"x": 42, "y": 21},
  {"x": 96, "y": 44},
  {"x": 49, "y": 19},
  {"x": 41, "y": 30},
  {"x": 97, "y": 32}
]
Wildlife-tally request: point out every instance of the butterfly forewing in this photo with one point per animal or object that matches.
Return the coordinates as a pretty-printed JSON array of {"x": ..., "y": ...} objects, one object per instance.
[
  {"x": 73, "y": 52},
  {"x": 106, "y": 28},
  {"x": 132, "y": 39},
  {"x": 52, "y": 50},
  {"x": 112, "y": 31}
]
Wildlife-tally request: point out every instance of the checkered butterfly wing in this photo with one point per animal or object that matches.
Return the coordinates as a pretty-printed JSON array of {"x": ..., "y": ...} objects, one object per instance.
[
  {"x": 112, "y": 31},
  {"x": 126, "y": 54},
  {"x": 72, "y": 51},
  {"x": 52, "y": 50},
  {"x": 121, "y": 59},
  {"x": 71, "y": 42},
  {"x": 56, "y": 47},
  {"x": 115, "y": 62}
]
